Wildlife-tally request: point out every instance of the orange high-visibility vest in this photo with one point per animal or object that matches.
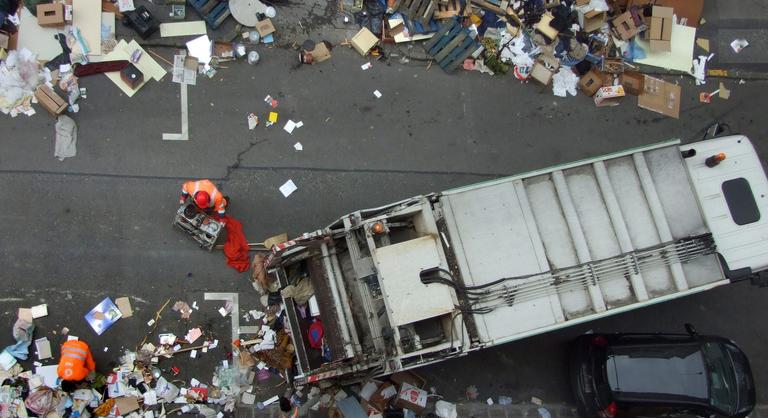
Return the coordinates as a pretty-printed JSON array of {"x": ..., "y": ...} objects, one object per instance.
[
  {"x": 76, "y": 361},
  {"x": 217, "y": 199}
]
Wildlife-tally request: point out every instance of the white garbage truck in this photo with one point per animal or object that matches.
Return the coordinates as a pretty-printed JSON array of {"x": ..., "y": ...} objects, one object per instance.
[{"x": 441, "y": 275}]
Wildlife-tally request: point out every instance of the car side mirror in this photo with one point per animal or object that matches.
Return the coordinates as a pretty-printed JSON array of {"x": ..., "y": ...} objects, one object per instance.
[{"x": 691, "y": 330}]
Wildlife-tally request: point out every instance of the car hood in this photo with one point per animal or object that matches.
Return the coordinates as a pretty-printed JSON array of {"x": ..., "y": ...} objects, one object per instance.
[{"x": 644, "y": 372}]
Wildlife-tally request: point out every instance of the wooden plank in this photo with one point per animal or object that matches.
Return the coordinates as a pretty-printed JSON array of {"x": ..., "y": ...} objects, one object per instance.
[
  {"x": 427, "y": 15},
  {"x": 86, "y": 16},
  {"x": 488, "y": 6},
  {"x": 182, "y": 28}
]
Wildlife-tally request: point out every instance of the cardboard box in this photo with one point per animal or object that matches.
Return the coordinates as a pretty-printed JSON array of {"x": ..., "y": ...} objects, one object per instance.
[
  {"x": 592, "y": 20},
  {"x": 541, "y": 73},
  {"x": 656, "y": 24},
  {"x": 544, "y": 26},
  {"x": 591, "y": 82},
  {"x": 383, "y": 396},
  {"x": 660, "y": 32},
  {"x": 624, "y": 26},
  {"x": 661, "y": 97},
  {"x": 50, "y": 15},
  {"x": 49, "y": 100},
  {"x": 633, "y": 82},
  {"x": 412, "y": 398},
  {"x": 363, "y": 41},
  {"x": 408, "y": 377},
  {"x": 609, "y": 96},
  {"x": 265, "y": 27}
]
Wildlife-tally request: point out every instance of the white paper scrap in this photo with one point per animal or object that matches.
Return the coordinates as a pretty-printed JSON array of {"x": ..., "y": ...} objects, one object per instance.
[
  {"x": 253, "y": 120},
  {"x": 125, "y": 5},
  {"x": 223, "y": 311},
  {"x": 739, "y": 44},
  {"x": 193, "y": 354},
  {"x": 298, "y": 147},
  {"x": 366, "y": 66},
  {"x": 288, "y": 187},
  {"x": 289, "y": 126},
  {"x": 377, "y": 94},
  {"x": 39, "y": 311}
]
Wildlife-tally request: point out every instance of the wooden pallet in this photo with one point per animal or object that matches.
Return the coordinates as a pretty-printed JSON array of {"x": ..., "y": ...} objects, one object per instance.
[
  {"x": 447, "y": 8},
  {"x": 419, "y": 10},
  {"x": 451, "y": 45}
]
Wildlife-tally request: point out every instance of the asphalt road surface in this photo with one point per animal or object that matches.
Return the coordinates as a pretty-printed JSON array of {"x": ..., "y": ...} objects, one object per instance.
[{"x": 99, "y": 224}]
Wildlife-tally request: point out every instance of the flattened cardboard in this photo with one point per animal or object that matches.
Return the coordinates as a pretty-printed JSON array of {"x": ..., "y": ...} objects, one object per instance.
[
  {"x": 124, "y": 305},
  {"x": 125, "y": 405},
  {"x": 633, "y": 82},
  {"x": 660, "y": 97},
  {"x": 50, "y": 15},
  {"x": 37, "y": 39},
  {"x": 86, "y": 16}
]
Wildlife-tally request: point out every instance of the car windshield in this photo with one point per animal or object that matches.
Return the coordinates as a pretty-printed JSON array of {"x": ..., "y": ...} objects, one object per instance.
[
  {"x": 670, "y": 370},
  {"x": 724, "y": 393}
]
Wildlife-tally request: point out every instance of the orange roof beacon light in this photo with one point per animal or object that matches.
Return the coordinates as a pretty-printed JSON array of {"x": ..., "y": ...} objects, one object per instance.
[
  {"x": 715, "y": 159},
  {"x": 377, "y": 228}
]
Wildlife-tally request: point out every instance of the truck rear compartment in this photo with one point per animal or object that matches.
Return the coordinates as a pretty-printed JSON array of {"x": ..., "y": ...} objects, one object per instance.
[{"x": 627, "y": 210}]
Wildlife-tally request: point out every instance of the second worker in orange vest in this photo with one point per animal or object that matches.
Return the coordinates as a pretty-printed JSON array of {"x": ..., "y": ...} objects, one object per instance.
[
  {"x": 205, "y": 194},
  {"x": 76, "y": 361}
]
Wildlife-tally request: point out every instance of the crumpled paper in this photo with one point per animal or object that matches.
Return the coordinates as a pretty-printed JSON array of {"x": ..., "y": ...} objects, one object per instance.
[{"x": 564, "y": 82}]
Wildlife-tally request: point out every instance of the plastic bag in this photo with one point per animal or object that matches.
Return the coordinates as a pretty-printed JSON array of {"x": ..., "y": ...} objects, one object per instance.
[{"x": 40, "y": 401}]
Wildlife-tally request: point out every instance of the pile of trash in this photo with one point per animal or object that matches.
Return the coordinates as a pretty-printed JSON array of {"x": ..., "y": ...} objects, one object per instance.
[
  {"x": 140, "y": 385},
  {"x": 600, "y": 47}
]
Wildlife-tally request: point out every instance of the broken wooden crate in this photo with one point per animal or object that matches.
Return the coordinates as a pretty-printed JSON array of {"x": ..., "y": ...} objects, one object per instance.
[
  {"x": 452, "y": 44},
  {"x": 447, "y": 9},
  {"x": 418, "y": 10}
]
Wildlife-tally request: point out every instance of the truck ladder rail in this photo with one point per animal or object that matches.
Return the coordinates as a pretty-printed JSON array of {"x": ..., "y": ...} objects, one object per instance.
[{"x": 577, "y": 277}]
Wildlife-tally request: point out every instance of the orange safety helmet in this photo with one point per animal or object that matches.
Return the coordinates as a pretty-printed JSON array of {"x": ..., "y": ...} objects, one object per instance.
[{"x": 202, "y": 199}]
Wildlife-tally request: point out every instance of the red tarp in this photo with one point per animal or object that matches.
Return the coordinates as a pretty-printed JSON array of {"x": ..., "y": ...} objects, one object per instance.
[{"x": 236, "y": 247}]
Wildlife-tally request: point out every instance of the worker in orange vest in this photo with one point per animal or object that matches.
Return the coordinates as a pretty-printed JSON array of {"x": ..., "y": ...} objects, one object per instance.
[
  {"x": 76, "y": 361},
  {"x": 206, "y": 196},
  {"x": 287, "y": 410}
]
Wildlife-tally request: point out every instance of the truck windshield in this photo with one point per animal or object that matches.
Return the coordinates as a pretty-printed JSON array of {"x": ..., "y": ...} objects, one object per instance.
[{"x": 723, "y": 390}]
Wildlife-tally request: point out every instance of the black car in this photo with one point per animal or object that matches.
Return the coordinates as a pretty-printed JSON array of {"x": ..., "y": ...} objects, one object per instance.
[{"x": 669, "y": 375}]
